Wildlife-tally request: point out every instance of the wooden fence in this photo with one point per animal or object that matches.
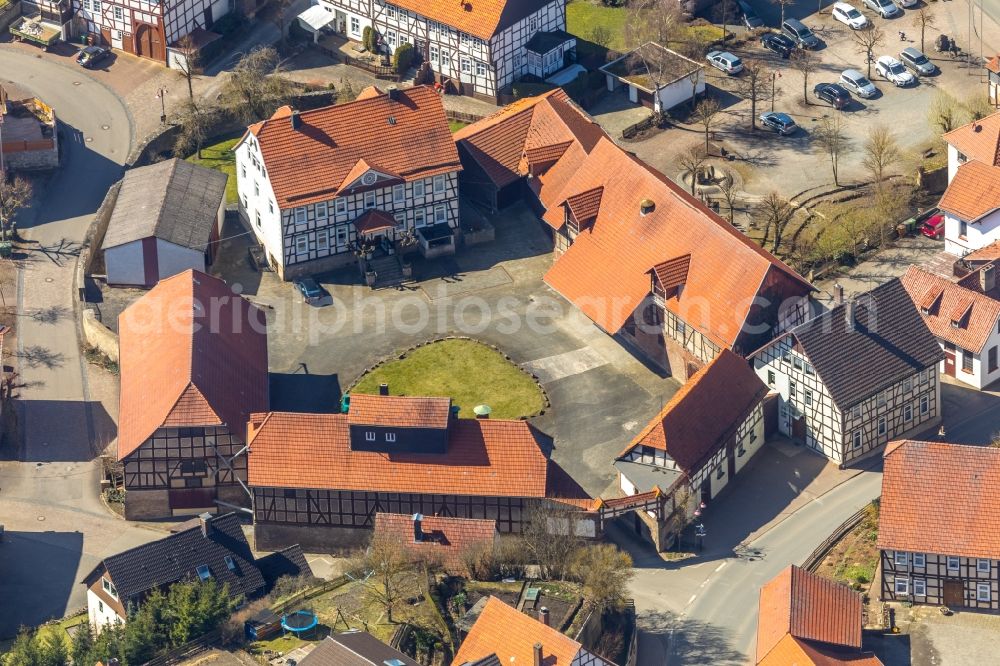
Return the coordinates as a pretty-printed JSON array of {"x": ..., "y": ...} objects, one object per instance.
[
  {"x": 27, "y": 146},
  {"x": 382, "y": 72},
  {"x": 462, "y": 117},
  {"x": 186, "y": 651},
  {"x": 640, "y": 126},
  {"x": 821, "y": 550}
]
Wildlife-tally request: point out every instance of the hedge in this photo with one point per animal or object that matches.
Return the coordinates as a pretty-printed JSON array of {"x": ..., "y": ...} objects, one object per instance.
[{"x": 402, "y": 57}]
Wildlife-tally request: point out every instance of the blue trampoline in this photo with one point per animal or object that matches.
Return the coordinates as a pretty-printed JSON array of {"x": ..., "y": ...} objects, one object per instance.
[{"x": 299, "y": 622}]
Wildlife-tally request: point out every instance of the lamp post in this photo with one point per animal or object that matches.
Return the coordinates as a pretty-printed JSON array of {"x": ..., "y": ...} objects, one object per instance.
[
  {"x": 162, "y": 94},
  {"x": 774, "y": 75}
]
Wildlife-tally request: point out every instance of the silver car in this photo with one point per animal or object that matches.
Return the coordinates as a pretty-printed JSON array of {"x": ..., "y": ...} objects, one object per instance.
[
  {"x": 891, "y": 69},
  {"x": 916, "y": 60},
  {"x": 885, "y": 8},
  {"x": 857, "y": 83}
]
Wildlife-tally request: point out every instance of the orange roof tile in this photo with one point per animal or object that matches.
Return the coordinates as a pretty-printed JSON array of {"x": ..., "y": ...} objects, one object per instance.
[
  {"x": 791, "y": 651},
  {"x": 989, "y": 253},
  {"x": 409, "y": 137},
  {"x": 993, "y": 64},
  {"x": 606, "y": 269},
  {"x": 511, "y": 636},
  {"x": 941, "y": 302},
  {"x": 369, "y": 92},
  {"x": 586, "y": 205},
  {"x": 808, "y": 607},
  {"x": 193, "y": 353},
  {"x": 479, "y": 18},
  {"x": 399, "y": 411},
  {"x": 672, "y": 273},
  {"x": 941, "y": 498},
  {"x": 445, "y": 538},
  {"x": 978, "y": 140},
  {"x": 703, "y": 412},
  {"x": 485, "y": 457},
  {"x": 973, "y": 193}
]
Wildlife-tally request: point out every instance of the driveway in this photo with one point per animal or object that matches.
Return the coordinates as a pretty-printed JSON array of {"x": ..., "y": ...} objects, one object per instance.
[
  {"x": 56, "y": 526},
  {"x": 601, "y": 394}
]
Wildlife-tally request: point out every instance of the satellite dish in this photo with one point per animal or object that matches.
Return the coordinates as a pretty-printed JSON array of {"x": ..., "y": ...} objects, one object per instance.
[{"x": 482, "y": 410}]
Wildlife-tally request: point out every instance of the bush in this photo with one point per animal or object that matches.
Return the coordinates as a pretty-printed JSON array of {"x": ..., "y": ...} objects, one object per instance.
[
  {"x": 402, "y": 57},
  {"x": 523, "y": 89},
  {"x": 368, "y": 38}
]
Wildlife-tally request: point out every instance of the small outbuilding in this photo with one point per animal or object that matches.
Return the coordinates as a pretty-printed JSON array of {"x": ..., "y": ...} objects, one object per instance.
[
  {"x": 656, "y": 76},
  {"x": 167, "y": 219}
]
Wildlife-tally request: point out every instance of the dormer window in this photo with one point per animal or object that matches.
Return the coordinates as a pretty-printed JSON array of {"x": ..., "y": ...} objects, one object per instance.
[
  {"x": 390, "y": 437},
  {"x": 204, "y": 573},
  {"x": 962, "y": 159}
]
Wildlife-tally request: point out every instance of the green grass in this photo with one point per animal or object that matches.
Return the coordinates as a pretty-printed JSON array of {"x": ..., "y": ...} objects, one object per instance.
[
  {"x": 220, "y": 156},
  {"x": 582, "y": 16},
  {"x": 469, "y": 372},
  {"x": 456, "y": 125}
]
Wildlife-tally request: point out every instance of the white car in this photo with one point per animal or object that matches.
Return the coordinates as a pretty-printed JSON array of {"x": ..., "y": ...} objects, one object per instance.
[
  {"x": 850, "y": 16},
  {"x": 856, "y": 82},
  {"x": 725, "y": 61},
  {"x": 907, "y": 3},
  {"x": 885, "y": 8},
  {"x": 892, "y": 70}
]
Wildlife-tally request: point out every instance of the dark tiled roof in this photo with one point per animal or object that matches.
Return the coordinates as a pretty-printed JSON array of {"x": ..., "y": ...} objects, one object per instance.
[
  {"x": 139, "y": 570},
  {"x": 543, "y": 42},
  {"x": 290, "y": 561},
  {"x": 489, "y": 660},
  {"x": 889, "y": 342},
  {"x": 354, "y": 648}
]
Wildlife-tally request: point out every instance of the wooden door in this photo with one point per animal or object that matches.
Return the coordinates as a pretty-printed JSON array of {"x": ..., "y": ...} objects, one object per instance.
[
  {"x": 706, "y": 487},
  {"x": 799, "y": 430},
  {"x": 954, "y": 593},
  {"x": 192, "y": 498},
  {"x": 731, "y": 457},
  {"x": 144, "y": 41},
  {"x": 208, "y": 18},
  {"x": 949, "y": 363}
]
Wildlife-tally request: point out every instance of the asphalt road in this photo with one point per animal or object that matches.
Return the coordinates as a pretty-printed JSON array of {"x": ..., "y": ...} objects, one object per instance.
[{"x": 56, "y": 526}]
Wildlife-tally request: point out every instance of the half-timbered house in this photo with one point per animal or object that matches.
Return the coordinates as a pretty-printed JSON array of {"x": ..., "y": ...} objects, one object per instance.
[
  {"x": 938, "y": 522},
  {"x": 317, "y": 185},
  {"x": 641, "y": 257},
  {"x": 473, "y": 48},
  {"x": 320, "y": 479},
  {"x": 698, "y": 442},
  {"x": 855, "y": 377},
  {"x": 193, "y": 359}
]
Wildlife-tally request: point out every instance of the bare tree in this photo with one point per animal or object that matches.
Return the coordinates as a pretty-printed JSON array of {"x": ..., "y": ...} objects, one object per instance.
[
  {"x": 881, "y": 153},
  {"x": 729, "y": 191},
  {"x": 385, "y": 572},
  {"x": 196, "y": 122},
  {"x": 601, "y": 35},
  {"x": 830, "y": 137},
  {"x": 254, "y": 89},
  {"x": 943, "y": 113},
  {"x": 866, "y": 42},
  {"x": 977, "y": 106},
  {"x": 550, "y": 540},
  {"x": 280, "y": 18},
  {"x": 691, "y": 161},
  {"x": 346, "y": 92},
  {"x": 707, "y": 113},
  {"x": 15, "y": 194},
  {"x": 651, "y": 21},
  {"x": 723, "y": 11},
  {"x": 190, "y": 65},
  {"x": 782, "y": 4},
  {"x": 805, "y": 63},
  {"x": 661, "y": 68},
  {"x": 776, "y": 212},
  {"x": 755, "y": 85},
  {"x": 923, "y": 19},
  {"x": 604, "y": 573}
]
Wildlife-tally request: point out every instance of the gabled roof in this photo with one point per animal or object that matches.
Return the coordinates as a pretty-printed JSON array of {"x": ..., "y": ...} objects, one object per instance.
[
  {"x": 485, "y": 457},
  {"x": 511, "y": 635},
  {"x": 606, "y": 269},
  {"x": 290, "y": 561},
  {"x": 445, "y": 538},
  {"x": 479, "y": 18},
  {"x": 399, "y": 411},
  {"x": 585, "y": 205},
  {"x": 973, "y": 192},
  {"x": 940, "y": 498},
  {"x": 174, "y": 200},
  {"x": 709, "y": 407},
  {"x": 888, "y": 342},
  {"x": 354, "y": 648},
  {"x": 791, "y": 651},
  {"x": 176, "y": 557},
  {"x": 672, "y": 273},
  {"x": 193, "y": 353},
  {"x": 807, "y": 607},
  {"x": 978, "y": 140},
  {"x": 940, "y": 301},
  {"x": 409, "y": 137},
  {"x": 373, "y": 220}
]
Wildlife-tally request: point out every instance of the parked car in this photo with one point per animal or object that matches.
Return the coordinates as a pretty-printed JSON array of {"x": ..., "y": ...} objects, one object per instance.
[
  {"x": 916, "y": 60},
  {"x": 750, "y": 18},
  {"x": 850, "y": 16},
  {"x": 313, "y": 293},
  {"x": 858, "y": 83},
  {"x": 778, "y": 43},
  {"x": 832, "y": 93},
  {"x": 906, "y": 3},
  {"x": 933, "y": 227},
  {"x": 725, "y": 61},
  {"x": 799, "y": 33},
  {"x": 884, "y": 8},
  {"x": 781, "y": 123},
  {"x": 90, "y": 57},
  {"x": 892, "y": 70}
]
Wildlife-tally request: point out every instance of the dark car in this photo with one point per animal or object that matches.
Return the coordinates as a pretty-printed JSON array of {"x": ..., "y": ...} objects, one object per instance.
[
  {"x": 781, "y": 123},
  {"x": 833, "y": 93},
  {"x": 750, "y": 18},
  {"x": 312, "y": 292},
  {"x": 92, "y": 56},
  {"x": 777, "y": 43}
]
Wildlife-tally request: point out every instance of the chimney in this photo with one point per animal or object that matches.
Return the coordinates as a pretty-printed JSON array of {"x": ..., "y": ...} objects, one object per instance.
[
  {"x": 394, "y": 93},
  {"x": 205, "y": 520},
  {"x": 987, "y": 278},
  {"x": 482, "y": 411},
  {"x": 851, "y": 315},
  {"x": 544, "y": 613},
  {"x": 418, "y": 531},
  {"x": 647, "y": 206},
  {"x": 383, "y": 389},
  {"x": 838, "y": 293},
  {"x": 538, "y": 654},
  {"x": 295, "y": 120}
]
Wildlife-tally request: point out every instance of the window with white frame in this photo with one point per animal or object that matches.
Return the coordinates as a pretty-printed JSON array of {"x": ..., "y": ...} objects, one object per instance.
[
  {"x": 983, "y": 566},
  {"x": 256, "y": 189},
  {"x": 300, "y": 215},
  {"x": 901, "y": 559},
  {"x": 856, "y": 411},
  {"x": 440, "y": 215},
  {"x": 919, "y": 587},
  {"x": 902, "y": 585},
  {"x": 390, "y": 437},
  {"x": 770, "y": 378},
  {"x": 880, "y": 401},
  {"x": 793, "y": 390},
  {"x": 466, "y": 66},
  {"x": 952, "y": 563},
  {"x": 480, "y": 68},
  {"x": 881, "y": 425},
  {"x": 419, "y": 219},
  {"x": 907, "y": 412},
  {"x": 434, "y": 53},
  {"x": 340, "y": 205},
  {"x": 445, "y": 57},
  {"x": 323, "y": 239},
  {"x": 109, "y": 587},
  {"x": 391, "y": 11},
  {"x": 982, "y": 591},
  {"x": 270, "y": 207},
  {"x": 907, "y": 384},
  {"x": 796, "y": 362},
  {"x": 532, "y": 24},
  {"x": 369, "y": 435},
  {"x": 119, "y": 14},
  {"x": 97, "y": 6},
  {"x": 808, "y": 396},
  {"x": 439, "y": 184},
  {"x": 418, "y": 188},
  {"x": 257, "y": 218},
  {"x": 808, "y": 367},
  {"x": 924, "y": 405},
  {"x": 302, "y": 244},
  {"x": 369, "y": 199},
  {"x": 86, "y": 5},
  {"x": 243, "y": 170},
  {"x": 355, "y": 26},
  {"x": 342, "y": 235},
  {"x": 390, "y": 38},
  {"x": 466, "y": 38},
  {"x": 398, "y": 193},
  {"x": 856, "y": 439},
  {"x": 924, "y": 374},
  {"x": 919, "y": 560},
  {"x": 321, "y": 210}
]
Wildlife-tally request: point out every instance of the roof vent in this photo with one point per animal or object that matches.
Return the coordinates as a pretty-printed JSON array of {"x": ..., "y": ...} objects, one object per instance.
[
  {"x": 646, "y": 206},
  {"x": 482, "y": 411},
  {"x": 393, "y": 93},
  {"x": 976, "y": 127},
  {"x": 383, "y": 389},
  {"x": 295, "y": 120},
  {"x": 392, "y": 120},
  {"x": 987, "y": 278}
]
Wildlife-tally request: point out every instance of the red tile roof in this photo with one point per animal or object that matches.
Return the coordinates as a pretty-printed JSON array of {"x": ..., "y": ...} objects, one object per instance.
[
  {"x": 942, "y": 302},
  {"x": 479, "y": 18},
  {"x": 941, "y": 498},
  {"x": 399, "y": 411},
  {"x": 993, "y": 64},
  {"x": 374, "y": 220},
  {"x": 485, "y": 457},
  {"x": 586, "y": 205},
  {"x": 672, "y": 273},
  {"x": 445, "y": 539},
  {"x": 409, "y": 137},
  {"x": 978, "y": 140},
  {"x": 973, "y": 192},
  {"x": 989, "y": 253},
  {"x": 807, "y": 607},
  {"x": 511, "y": 636},
  {"x": 705, "y": 411},
  {"x": 193, "y": 353},
  {"x": 791, "y": 651}
]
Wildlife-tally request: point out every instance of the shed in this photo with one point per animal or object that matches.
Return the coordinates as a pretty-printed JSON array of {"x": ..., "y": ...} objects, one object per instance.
[
  {"x": 656, "y": 76},
  {"x": 167, "y": 219}
]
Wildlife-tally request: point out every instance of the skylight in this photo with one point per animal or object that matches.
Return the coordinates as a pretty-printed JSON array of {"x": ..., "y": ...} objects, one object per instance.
[
  {"x": 229, "y": 563},
  {"x": 203, "y": 572}
]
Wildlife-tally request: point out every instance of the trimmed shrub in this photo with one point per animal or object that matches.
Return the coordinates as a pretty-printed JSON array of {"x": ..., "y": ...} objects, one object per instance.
[
  {"x": 368, "y": 38},
  {"x": 402, "y": 57}
]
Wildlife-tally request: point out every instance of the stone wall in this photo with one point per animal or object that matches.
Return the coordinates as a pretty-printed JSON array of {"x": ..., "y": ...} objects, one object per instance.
[
  {"x": 144, "y": 504},
  {"x": 312, "y": 538},
  {"x": 99, "y": 336}
]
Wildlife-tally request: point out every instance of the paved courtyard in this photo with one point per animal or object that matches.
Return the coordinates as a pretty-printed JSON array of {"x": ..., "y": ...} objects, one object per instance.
[{"x": 931, "y": 639}]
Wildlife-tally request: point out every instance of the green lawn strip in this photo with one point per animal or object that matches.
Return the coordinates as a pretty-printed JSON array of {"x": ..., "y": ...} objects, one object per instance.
[
  {"x": 469, "y": 372},
  {"x": 582, "y": 16},
  {"x": 456, "y": 125},
  {"x": 220, "y": 156}
]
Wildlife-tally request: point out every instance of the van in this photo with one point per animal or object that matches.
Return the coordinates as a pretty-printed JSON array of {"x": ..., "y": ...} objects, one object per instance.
[
  {"x": 799, "y": 33},
  {"x": 750, "y": 18}
]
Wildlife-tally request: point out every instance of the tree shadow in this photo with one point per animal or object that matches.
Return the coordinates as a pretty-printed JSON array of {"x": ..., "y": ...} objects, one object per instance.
[
  {"x": 665, "y": 637},
  {"x": 37, "y": 356},
  {"x": 50, "y": 315}
]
